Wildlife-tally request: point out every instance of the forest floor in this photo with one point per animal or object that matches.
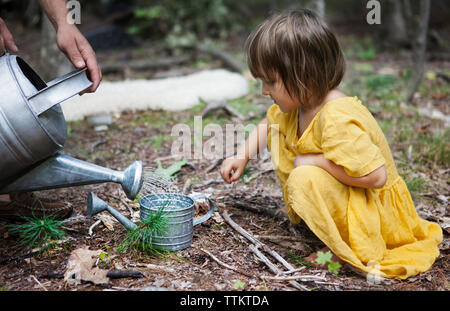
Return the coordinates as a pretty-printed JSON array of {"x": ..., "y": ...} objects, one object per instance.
[{"x": 419, "y": 145}]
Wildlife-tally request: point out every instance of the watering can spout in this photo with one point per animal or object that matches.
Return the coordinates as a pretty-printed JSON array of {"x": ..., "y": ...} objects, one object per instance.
[
  {"x": 96, "y": 205},
  {"x": 64, "y": 171}
]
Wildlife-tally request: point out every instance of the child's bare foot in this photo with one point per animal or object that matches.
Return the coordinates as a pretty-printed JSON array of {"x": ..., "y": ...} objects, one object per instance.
[{"x": 312, "y": 257}]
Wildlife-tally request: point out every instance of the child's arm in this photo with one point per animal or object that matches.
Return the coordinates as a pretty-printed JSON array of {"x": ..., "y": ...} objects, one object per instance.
[
  {"x": 233, "y": 167},
  {"x": 375, "y": 179}
]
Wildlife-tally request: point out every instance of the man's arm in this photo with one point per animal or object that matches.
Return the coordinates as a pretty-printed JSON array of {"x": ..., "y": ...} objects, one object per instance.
[
  {"x": 70, "y": 40},
  {"x": 56, "y": 11}
]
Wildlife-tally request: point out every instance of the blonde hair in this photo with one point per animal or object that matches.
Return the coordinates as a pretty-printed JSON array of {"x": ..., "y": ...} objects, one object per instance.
[{"x": 299, "y": 48}]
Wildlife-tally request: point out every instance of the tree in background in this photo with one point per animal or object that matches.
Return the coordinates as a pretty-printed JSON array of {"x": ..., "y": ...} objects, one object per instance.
[
  {"x": 419, "y": 48},
  {"x": 53, "y": 63}
]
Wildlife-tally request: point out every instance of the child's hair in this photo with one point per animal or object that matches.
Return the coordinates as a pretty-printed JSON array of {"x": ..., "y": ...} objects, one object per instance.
[{"x": 297, "y": 47}]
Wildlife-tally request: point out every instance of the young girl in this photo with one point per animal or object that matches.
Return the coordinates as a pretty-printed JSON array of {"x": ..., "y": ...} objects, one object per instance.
[{"x": 334, "y": 164}]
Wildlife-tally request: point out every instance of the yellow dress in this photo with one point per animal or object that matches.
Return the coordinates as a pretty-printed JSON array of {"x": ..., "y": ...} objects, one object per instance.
[{"x": 375, "y": 230}]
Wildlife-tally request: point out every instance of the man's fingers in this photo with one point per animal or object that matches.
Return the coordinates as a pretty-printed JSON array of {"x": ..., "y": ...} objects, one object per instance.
[
  {"x": 73, "y": 54},
  {"x": 90, "y": 58},
  {"x": 6, "y": 39},
  {"x": 2, "y": 46}
]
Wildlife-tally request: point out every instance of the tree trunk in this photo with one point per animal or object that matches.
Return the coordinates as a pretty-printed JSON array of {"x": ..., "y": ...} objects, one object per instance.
[
  {"x": 419, "y": 49},
  {"x": 53, "y": 63},
  {"x": 317, "y": 6},
  {"x": 397, "y": 33}
]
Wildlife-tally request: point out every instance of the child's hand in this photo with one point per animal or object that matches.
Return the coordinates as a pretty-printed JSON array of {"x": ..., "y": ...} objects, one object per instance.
[{"x": 232, "y": 168}]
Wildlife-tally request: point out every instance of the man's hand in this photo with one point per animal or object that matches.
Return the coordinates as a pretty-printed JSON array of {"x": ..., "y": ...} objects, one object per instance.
[
  {"x": 6, "y": 39},
  {"x": 78, "y": 50}
]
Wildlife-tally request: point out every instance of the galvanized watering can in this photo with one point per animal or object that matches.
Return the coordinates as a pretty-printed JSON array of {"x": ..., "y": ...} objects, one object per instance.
[
  {"x": 33, "y": 131},
  {"x": 178, "y": 209}
]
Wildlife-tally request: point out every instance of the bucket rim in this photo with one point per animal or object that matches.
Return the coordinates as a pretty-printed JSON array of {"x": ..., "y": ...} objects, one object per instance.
[{"x": 184, "y": 196}]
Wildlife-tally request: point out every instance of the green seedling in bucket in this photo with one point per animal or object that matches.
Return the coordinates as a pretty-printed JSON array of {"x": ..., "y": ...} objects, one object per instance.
[
  {"x": 154, "y": 208},
  {"x": 141, "y": 238}
]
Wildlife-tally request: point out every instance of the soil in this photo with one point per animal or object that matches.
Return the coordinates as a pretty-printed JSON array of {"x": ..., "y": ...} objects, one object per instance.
[
  {"x": 249, "y": 204},
  {"x": 193, "y": 269}
]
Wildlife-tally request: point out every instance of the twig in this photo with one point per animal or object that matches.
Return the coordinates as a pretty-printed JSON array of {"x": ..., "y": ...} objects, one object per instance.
[
  {"x": 52, "y": 275},
  {"x": 256, "y": 241},
  {"x": 39, "y": 283},
  {"x": 43, "y": 246},
  {"x": 71, "y": 229},
  {"x": 255, "y": 249},
  {"x": 293, "y": 271},
  {"x": 130, "y": 210},
  {"x": 98, "y": 143},
  {"x": 229, "y": 60},
  {"x": 145, "y": 64},
  {"x": 117, "y": 274},
  {"x": 187, "y": 186},
  {"x": 264, "y": 259},
  {"x": 226, "y": 265},
  {"x": 260, "y": 210},
  {"x": 214, "y": 165},
  {"x": 303, "y": 278},
  {"x": 221, "y": 104},
  {"x": 73, "y": 219},
  {"x": 91, "y": 228},
  {"x": 156, "y": 267},
  {"x": 278, "y": 238}
]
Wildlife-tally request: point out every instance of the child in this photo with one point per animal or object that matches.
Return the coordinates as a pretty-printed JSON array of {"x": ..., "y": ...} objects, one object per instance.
[{"x": 333, "y": 161}]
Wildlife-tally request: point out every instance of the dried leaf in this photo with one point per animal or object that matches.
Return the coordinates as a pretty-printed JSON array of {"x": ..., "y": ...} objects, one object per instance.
[
  {"x": 80, "y": 268},
  {"x": 107, "y": 220}
]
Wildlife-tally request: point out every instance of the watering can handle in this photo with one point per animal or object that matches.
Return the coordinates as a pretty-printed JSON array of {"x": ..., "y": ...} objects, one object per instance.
[
  {"x": 59, "y": 90},
  {"x": 207, "y": 215}
]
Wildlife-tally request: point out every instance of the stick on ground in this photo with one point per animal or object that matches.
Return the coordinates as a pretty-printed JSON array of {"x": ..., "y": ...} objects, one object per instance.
[
  {"x": 260, "y": 255},
  {"x": 225, "y": 265}
]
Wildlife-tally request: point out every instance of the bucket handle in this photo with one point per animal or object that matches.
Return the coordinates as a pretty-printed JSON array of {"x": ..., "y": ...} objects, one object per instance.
[{"x": 208, "y": 215}]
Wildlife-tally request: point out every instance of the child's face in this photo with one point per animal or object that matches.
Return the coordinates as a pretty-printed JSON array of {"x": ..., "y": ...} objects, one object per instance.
[{"x": 277, "y": 91}]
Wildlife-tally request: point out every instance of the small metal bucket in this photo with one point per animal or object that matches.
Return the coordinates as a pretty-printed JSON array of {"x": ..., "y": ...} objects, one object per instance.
[{"x": 179, "y": 211}]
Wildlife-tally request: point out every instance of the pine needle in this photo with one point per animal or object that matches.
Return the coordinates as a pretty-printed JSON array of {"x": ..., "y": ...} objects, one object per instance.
[
  {"x": 38, "y": 232},
  {"x": 155, "y": 224}
]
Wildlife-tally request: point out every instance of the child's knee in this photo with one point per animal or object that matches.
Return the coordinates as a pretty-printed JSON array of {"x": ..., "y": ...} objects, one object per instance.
[
  {"x": 304, "y": 173},
  {"x": 303, "y": 178}
]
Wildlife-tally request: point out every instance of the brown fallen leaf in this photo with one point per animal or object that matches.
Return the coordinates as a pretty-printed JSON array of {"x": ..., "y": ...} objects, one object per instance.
[
  {"x": 80, "y": 268},
  {"x": 107, "y": 220}
]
